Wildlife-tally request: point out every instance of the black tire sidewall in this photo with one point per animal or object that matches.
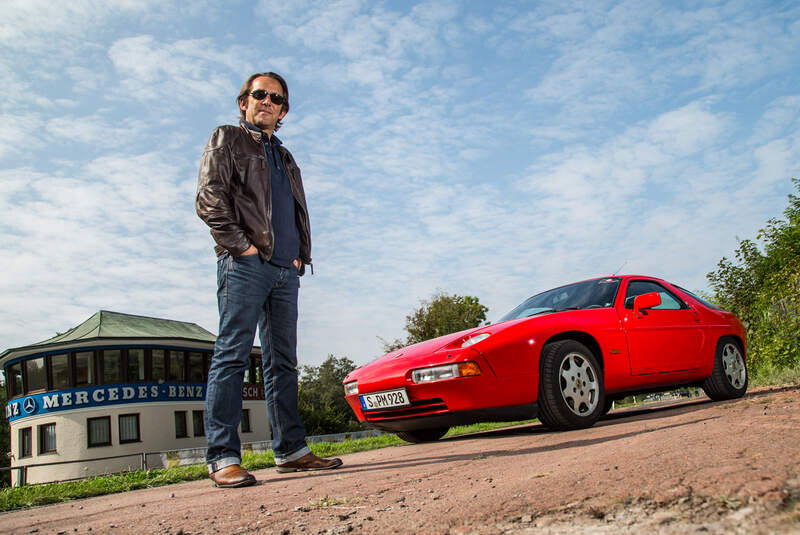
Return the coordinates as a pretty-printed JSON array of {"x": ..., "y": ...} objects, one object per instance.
[
  {"x": 718, "y": 365},
  {"x": 423, "y": 435},
  {"x": 557, "y": 413}
]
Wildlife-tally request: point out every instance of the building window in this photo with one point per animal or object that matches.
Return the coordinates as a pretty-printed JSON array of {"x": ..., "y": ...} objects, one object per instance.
[
  {"x": 196, "y": 367},
  {"x": 176, "y": 366},
  {"x": 158, "y": 366},
  {"x": 259, "y": 376},
  {"x": 246, "y": 421},
  {"x": 25, "y": 442},
  {"x": 112, "y": 366},
  {"x": 47, "y": 438},
  {"x": 197, "y": 424},
  {"x": 59, "y": 372},
  {"x": 135, "y": 365},
  {"x": 128, "y": 428},
  {"x": 180, "y": 424},
  {"x": 254, "y": 371},
  {"x": 99, "y": 430},
  {"x": 35, "y": 374},
  {"x": 14, "y": 375},
  {"x": 84, "y": 368}
]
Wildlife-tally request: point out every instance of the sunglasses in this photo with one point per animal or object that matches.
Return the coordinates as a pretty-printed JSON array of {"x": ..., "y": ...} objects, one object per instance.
[{"x": 275, "y": 98}]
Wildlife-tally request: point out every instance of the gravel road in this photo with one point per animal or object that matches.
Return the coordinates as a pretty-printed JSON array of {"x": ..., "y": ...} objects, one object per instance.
[{"x": 684, "y": 467}]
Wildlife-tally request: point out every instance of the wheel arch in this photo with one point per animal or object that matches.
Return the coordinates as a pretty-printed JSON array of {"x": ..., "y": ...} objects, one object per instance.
[
  {"x": 579, "y": 336},
  {"x": 736, "y": 338}
]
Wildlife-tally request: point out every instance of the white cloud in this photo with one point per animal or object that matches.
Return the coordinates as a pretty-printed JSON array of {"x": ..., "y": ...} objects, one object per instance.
[
  {"x": 19, "y": 133},
  {"x": 483, "y": 149},
  {"x": 179, "y": 72}
]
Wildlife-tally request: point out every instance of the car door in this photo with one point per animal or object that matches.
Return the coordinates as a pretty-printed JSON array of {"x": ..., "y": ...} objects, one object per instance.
[{"x": 665, "y": 338}]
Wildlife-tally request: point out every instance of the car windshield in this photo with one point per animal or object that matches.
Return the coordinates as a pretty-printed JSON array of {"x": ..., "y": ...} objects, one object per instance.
[{"x": 596, "y": 293}]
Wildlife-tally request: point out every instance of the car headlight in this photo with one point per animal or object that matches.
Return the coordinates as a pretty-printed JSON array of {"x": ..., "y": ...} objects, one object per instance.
[
  {"x": 449, "y": 371},
  {"x": 351, "y": 388},
  {"x": 475, "y": 339}
]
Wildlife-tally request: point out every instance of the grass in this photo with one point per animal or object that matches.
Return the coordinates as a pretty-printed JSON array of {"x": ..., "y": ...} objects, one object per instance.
[
  {"x": 12, "y": 498},
  {"x": 777, "y": 377}
]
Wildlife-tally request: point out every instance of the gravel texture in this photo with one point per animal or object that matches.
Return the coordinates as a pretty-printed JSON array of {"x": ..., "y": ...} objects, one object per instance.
[{"x": 683, "y": 467}]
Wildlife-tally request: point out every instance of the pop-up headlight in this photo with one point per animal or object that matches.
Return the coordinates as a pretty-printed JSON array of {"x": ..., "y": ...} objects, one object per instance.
[{"x": 475, "y": 339}]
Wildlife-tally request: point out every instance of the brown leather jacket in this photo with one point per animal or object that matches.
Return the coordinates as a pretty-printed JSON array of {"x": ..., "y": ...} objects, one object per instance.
[{"x": 233, "y": 193}]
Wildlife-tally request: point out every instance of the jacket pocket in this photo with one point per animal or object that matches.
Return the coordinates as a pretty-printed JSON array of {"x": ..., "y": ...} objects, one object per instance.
[{"x": 248, "y": 165}]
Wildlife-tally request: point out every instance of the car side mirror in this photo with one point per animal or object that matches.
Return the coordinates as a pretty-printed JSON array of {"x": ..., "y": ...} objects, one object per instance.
[{"x": 645, "y": 301}]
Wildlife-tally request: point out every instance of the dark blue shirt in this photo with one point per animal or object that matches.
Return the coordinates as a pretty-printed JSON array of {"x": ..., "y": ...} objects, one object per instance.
[{"x": 284, "y": 225}]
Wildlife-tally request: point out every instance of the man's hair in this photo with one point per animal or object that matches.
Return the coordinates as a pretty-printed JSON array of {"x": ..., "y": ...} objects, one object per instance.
[{"x": 247, "y": 87}]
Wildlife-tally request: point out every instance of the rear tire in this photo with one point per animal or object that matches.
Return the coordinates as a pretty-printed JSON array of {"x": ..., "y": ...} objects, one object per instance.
[
  {"x": 607, "y": 406},
  {"x": 571, "y": 392},
  {"x": 423, "y": 435},
  {"x": 728, "y": 380}
]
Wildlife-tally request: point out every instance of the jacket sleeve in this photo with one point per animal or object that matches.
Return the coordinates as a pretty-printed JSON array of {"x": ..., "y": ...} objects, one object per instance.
[{"x": 214, "y": 202}]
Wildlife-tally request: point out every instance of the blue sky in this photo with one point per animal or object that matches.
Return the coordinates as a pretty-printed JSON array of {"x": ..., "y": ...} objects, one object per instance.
[{"x": 478, "y": 148}]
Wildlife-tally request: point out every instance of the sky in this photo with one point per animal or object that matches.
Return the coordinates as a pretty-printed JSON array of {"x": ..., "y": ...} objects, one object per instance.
[{"x": 492, "y": 149}]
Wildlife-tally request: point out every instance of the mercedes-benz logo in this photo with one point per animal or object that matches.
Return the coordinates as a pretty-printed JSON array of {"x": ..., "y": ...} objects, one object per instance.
[{"x": 29, "y": 405}]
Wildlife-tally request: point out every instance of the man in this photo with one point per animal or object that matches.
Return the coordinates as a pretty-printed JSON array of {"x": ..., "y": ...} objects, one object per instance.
[{"x": 250, "y": 193}]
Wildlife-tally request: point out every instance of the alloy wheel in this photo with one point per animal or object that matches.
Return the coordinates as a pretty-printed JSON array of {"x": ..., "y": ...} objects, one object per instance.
[{"x": 579, "y": 384}]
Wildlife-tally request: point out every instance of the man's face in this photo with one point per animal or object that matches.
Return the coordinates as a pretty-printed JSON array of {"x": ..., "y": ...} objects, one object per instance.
[{"x": 263, "y": 113}]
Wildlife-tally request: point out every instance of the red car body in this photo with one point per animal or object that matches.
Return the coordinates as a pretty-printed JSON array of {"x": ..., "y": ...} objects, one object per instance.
[{"x": 629, "y": 342}]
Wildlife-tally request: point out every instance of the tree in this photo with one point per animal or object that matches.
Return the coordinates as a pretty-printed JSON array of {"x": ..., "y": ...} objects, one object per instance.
[
  {"x": 763, "y": 290},
  {"x": 442, "y": 314},
  {"x": 323, "y": 408}
]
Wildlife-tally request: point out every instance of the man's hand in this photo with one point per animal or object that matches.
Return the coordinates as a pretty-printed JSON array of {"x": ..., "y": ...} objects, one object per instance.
[
  {"x": 250, "y": 250},
  {"x": 297, "y": 263}
]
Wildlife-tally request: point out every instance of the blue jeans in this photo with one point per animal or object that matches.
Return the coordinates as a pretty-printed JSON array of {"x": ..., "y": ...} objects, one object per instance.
[{"x": 253, "y": 293}]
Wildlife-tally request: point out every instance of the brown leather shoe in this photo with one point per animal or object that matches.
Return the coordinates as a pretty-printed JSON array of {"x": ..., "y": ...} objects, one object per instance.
[
  {"x": 232, "y": 476},
  {"x": 309, "y": 461}
]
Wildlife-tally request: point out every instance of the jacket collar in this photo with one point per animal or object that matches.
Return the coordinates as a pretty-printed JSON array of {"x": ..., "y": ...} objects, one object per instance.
[{"x": 256, "y": 133}]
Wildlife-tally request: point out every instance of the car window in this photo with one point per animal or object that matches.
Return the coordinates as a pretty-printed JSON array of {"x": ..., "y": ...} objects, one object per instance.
[
  {"x": 595, "y": 293},
  {"x": 698, "y": 298},
  {"x": 669, "y": 301}
]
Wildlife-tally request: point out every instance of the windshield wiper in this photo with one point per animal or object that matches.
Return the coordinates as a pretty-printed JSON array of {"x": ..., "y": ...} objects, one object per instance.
[{"x": 545, "y": 311}]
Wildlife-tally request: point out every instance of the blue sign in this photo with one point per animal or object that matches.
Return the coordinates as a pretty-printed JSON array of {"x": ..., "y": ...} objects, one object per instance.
[{"x": 98, "y": 396}]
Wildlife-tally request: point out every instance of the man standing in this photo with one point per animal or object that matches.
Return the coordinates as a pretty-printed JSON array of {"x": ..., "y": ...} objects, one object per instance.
[{"x": 250, "y": 193}]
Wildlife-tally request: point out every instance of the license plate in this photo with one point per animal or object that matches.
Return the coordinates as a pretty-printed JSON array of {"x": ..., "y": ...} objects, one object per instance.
[{"x": 385, "y": 400}]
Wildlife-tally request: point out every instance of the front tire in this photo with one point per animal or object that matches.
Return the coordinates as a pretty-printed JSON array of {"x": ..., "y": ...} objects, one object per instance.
[
  {"x": 423, "y": 435},
  {"x": 571, "y": 392},
  {"x": 728, "y": 380}
]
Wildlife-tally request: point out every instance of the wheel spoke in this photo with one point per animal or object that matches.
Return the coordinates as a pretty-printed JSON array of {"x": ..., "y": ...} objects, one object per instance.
[
  {"x": 733, "y": 364},
  {"x": 579, "y": 385}
]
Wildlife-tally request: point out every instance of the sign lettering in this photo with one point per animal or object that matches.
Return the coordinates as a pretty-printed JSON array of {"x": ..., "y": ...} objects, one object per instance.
[{"x": 96, "y": 396}]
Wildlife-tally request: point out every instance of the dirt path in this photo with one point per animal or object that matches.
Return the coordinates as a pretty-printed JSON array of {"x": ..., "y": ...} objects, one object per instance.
[{"x": 690, "y": 467}]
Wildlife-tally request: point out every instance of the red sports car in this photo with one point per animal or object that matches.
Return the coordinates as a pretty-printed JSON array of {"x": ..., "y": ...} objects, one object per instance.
[{"x": 563, "y": 356}]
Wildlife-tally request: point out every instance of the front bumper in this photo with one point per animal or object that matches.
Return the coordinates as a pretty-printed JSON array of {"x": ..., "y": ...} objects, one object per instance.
[{"x": 457, "y": 401}]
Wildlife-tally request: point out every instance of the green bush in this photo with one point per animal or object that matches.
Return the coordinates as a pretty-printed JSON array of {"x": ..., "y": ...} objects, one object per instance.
[{"x": 763, "y": 290}]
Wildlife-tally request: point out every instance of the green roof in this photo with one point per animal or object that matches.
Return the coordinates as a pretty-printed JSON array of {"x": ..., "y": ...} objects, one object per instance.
[
  {"x": 107, "y": 324},
  {"x": 115, "y": 325}
]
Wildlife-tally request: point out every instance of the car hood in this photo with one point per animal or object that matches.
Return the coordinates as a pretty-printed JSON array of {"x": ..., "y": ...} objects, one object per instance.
[
  {"x": 427, "y": 353},
  {"x": 416, "y": 355}
]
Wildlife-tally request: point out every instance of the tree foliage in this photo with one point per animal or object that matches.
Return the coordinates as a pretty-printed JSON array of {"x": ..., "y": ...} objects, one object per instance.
[
  {"x": 323, "y": 408},
  {"x": 763, "y": 290},
  {"x": 442, "y": 314}
]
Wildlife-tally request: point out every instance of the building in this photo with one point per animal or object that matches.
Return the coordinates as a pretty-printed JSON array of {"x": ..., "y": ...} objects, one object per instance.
[{"x": 113, "y": 393}]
